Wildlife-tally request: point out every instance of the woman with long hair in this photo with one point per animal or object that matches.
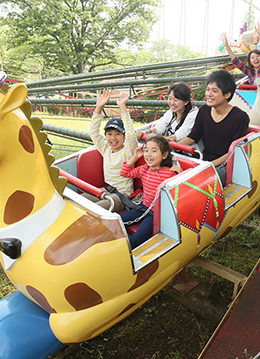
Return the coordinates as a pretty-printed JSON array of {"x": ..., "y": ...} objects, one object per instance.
[{"x": 178, "y": 121}]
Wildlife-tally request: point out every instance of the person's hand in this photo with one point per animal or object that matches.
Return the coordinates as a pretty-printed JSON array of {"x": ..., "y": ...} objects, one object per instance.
[
  {"x": 176, "y": 168},
  {"x": 138, "y": 152},
  {"x": 122, "y": 102},
  {"x": 139, "y": 134},
  {"x": 124, "y": 97},
  {"x": 102, "y": 100},
  {"x": 223, "y": 38},
  {"x": 171, "y": 138},
  {"x": 149, "y": 133}
]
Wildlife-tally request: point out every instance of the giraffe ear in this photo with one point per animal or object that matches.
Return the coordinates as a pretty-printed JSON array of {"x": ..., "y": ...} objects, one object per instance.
[{"x": 14, "y": 98}]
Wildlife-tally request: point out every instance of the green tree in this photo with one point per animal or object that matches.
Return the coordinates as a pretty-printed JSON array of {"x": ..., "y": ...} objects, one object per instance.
[
  {"x": 250, "y": 17},
  {"x": 75, "y": 36},
  {"x": 162, "y": 51},
  {"x": 154, "y": 52}
]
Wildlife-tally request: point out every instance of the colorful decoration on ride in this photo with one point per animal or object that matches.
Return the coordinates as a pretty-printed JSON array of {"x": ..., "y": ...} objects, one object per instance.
[
  {"x": 247, "y": 97},
  {"x": 208, "y": 196}
]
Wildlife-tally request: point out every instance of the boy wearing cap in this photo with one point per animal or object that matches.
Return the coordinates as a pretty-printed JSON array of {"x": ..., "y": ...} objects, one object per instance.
[{"x": 118, "y": 148}]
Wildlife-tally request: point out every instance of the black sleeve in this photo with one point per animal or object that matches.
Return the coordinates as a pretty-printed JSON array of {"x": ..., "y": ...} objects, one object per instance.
[
  {"x": 242, "y": 123},
  {"x": 197, "y": 129}
]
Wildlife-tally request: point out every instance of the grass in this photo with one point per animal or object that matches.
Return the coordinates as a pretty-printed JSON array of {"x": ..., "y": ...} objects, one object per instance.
[
  {"x": 63, "y": 146},
  {"x": 168, "y": 326},
  {"x": 6, "y": 287}
]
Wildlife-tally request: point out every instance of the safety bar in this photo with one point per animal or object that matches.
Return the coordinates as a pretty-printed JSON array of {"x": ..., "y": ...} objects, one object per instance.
[
  {"x": 177, "y": 146},
  {"x": 82, "y": 184},
  {"x": 247, "y": 87}
]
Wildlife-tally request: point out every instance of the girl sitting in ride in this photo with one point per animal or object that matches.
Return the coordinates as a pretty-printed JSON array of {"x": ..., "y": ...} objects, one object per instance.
[
  {"x": 159, "y": 166},
  {"x": 178, "y": 121}
]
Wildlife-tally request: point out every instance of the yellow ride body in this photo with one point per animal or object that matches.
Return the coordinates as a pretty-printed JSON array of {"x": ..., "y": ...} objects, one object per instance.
[{"x": 76, "y": 260}]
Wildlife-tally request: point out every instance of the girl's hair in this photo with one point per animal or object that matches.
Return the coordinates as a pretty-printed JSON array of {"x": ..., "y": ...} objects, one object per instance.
[
  {"x": 164, "y": 146},
  {"x": 255, "y": 51},
  {"x": 182, "y": 92}
]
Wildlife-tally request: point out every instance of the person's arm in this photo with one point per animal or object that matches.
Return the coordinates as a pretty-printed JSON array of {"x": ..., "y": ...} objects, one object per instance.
[
  {"x": 97, "y": 138},
  {"x": 236, "y": 61},
  {"x": 163, "y": 122},
  {"x": 130, "y": 137},
  {"x": 186, "y": 127},
  {"x": 187, "y": 141},
  {"x": 256, "y": 37},
  {"x": 102, "y": 100},
  {"x": 223, "y": 38},
  {"x": 128, "y": 169},
  {"x": 149, "y": 132},
  {"x": 257, "y": 29},
  {"x": 220, "y": 160},
  {"x": 138, "y": 153},
  {"x": 124, "y": 97},
  {"x": 177, "y": 169},
  {"x": 172, "y": 138},
  {"x": 95, "y": 134},
  {"x": 239, "y": 130}
]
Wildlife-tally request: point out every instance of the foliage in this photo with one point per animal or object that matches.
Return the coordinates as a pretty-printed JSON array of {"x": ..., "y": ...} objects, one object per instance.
[
  {"x": 77, "y": 35},
  {"x": 158, "y": 51},
  {"x": 163, "y": 51},
  {"x": 250, "y": 17},
  {"x": 199, "y": 92},
  {"x": 18, "y": 62}
]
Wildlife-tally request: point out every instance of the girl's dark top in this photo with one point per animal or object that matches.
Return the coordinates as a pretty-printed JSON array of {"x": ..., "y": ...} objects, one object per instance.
[{"x": 217, "y": 136}]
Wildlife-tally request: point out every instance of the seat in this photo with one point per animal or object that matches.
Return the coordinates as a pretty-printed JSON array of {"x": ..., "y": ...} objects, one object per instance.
[
  {"x": 90, "y": 167},
  {"x": 186, "y": 163}
]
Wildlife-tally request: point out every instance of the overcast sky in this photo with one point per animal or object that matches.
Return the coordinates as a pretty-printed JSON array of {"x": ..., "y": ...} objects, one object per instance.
[{"x": 199, "y": 23}]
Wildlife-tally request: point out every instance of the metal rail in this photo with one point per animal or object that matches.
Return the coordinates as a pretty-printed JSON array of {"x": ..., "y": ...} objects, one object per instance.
[
  {"x": 133, "y": 70},
  {"x": 67, "y": 132},
  {"x": 120, "y": 84},
  {"x": 116, "y": 84},
  {"x": 80, "y": 102}
]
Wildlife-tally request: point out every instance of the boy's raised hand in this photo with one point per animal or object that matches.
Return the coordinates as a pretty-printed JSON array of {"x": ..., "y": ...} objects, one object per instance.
[
  {"x": 124, "y": 97},
  {"x": 102, "y": 100}
]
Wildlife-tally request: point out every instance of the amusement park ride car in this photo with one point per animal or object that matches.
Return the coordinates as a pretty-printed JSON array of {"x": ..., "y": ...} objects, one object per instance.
[{"x": 71, "y": 261}]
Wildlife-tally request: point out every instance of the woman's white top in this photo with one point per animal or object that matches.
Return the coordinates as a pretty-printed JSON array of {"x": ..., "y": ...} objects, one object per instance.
[{"x": 183, "y": 131}]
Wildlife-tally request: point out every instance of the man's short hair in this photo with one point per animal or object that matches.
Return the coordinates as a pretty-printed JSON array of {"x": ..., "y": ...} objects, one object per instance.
[{"x": 224, "y": 81}]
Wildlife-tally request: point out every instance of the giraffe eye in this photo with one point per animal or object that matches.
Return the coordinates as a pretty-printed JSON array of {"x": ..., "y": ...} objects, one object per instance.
[{"x": 26, "y": 139}]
